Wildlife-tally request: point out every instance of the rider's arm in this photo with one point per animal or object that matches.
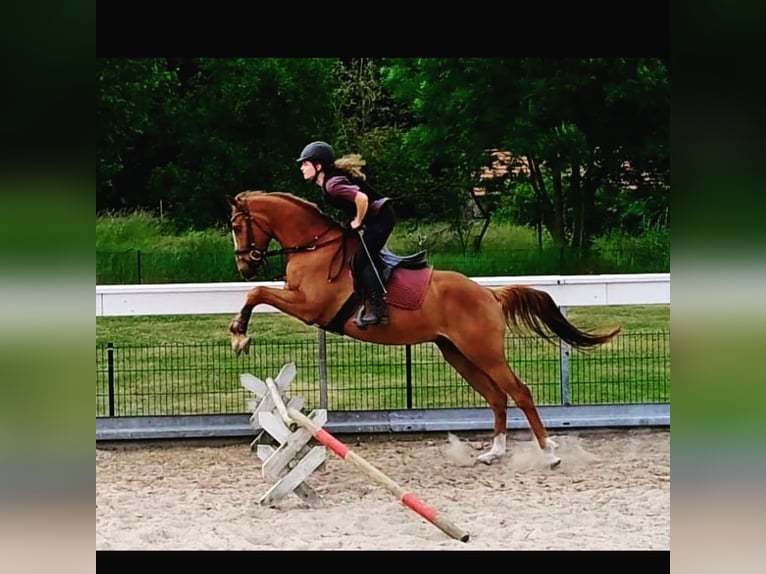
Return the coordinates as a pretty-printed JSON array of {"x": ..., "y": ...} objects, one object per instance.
[
  {"x": 361, "y": 202},
  {"x": 340, "y": 187}
]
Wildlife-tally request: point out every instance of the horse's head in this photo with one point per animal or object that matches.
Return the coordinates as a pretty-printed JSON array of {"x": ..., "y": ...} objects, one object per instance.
[
  {"x": 257, "y": 217},
  {"x": 250, "y": 237}
]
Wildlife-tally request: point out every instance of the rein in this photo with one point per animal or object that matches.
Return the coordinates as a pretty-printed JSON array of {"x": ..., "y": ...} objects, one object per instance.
[{"x": 257, "y": 255}]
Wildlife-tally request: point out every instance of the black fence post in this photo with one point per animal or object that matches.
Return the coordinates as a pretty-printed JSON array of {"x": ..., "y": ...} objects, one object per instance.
[
  {"x": 408, "y": 362},
  {"x": 110, "y": 375},
  {"x": 322, "y": 351}
]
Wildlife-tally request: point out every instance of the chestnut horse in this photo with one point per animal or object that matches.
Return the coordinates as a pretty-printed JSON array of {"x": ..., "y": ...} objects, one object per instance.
[{"x": 465, "y": 320}]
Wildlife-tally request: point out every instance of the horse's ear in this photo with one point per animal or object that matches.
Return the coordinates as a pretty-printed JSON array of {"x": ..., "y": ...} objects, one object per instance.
[{"x": 232, "y": 200}]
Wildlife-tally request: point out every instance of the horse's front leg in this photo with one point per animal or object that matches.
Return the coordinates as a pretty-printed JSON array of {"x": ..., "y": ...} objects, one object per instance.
[
  {"x": 240, "y": 341},
  {"x": 288, "y": 301}
]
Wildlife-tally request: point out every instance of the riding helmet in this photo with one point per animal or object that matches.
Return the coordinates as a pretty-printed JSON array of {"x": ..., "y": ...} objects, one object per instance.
[{"x": 318, "y": 152}]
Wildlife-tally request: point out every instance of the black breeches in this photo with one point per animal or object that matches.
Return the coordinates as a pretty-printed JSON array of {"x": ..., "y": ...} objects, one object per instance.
[{"x": 377, "y": 230}]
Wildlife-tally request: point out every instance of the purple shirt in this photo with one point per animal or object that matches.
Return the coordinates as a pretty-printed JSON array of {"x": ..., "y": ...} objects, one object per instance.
[{"x": 338, "y": 187}]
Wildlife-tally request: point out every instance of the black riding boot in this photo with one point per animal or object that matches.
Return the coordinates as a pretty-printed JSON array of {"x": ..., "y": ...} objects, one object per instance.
[{"x": 377, "y": 313}]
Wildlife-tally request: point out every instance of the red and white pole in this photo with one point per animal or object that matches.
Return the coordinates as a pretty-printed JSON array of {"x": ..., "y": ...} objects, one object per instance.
[{"x": 407, "y": 498}]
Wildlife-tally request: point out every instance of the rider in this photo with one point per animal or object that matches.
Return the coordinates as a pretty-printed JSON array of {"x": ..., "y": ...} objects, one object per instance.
[{"x": 344, "y": 187}]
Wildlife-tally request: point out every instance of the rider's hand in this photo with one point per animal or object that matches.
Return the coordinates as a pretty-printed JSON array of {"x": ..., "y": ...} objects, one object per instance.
[{"x": 355, "y": 224}]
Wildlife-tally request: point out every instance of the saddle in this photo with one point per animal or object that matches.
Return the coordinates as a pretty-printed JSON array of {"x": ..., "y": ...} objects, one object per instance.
[
  {"x": 405, "y": 277},
  {"x": 391, "y": 261}
]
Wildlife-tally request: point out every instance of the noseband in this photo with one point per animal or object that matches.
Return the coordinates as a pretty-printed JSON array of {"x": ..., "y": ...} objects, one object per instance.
[{"x": 254, "y": 253}]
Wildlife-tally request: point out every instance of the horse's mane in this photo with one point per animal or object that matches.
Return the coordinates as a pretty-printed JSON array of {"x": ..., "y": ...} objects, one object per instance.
[{"x": 294, "y": 199}]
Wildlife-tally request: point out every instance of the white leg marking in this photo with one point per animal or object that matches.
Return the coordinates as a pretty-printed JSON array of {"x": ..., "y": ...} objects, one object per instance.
[
  {"x": 550, "y": 444},
  {"x": 496, "y": 452},
  {"x": 550, "y": 447}
]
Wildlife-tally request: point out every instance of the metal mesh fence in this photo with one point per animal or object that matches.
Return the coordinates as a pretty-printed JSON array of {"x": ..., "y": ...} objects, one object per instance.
[{"x": 203, "y": 378}]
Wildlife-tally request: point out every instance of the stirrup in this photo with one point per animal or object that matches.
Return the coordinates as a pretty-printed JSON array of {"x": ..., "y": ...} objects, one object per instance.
[
  {"x": 374, "y": 320},
  {"x": 358, "y": 319},
  {"x": 362, "y": 320}
]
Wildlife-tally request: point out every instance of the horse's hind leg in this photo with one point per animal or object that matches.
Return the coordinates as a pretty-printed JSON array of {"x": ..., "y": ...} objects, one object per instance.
[
  {"x": 497, "y": 399},
  {"x": 490, "y": 359},
  {"x": 507, "y": 380}
]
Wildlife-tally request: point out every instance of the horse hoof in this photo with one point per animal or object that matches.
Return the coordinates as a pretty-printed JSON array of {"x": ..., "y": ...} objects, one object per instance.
[
  {"x": 555, "y": 463},
  {"x": 240, "y": 344},
  {"x": 487, "y": 458}
]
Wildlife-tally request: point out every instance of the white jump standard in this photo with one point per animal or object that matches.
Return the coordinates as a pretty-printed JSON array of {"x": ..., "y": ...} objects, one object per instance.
[
  {"x": 311, "y": 426},
  {"x": 289, "y": 465}
]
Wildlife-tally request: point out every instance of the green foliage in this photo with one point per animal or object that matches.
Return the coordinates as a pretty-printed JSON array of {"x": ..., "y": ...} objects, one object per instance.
[
  {"x": 130, "y": 93},
  {"x": 441, "y": 238},
  {"x": 227, "y": 125},
  {"x": 518, "y": 204},
  {"x": 177, "y": 134},
  {"x": 649, "y": 250},
  {"x": 138, "y": 248},
  {"x": 240, "y": 126},
  {"x": 138, "y": 229},
  {"x": 587, "y": 123}
]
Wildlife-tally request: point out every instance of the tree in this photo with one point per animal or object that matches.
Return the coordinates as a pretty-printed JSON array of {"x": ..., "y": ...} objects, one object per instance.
[
  {"x": 582, "y": 124},
  {"x": 129, "y": 95},
  {"x": 228, "y": 125}
]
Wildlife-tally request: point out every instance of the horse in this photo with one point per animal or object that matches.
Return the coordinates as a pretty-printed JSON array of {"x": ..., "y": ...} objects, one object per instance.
[{"x": 465, "y": 320}]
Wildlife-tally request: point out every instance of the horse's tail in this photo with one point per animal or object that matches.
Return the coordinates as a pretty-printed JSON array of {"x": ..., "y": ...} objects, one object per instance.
[{"x": 535, "y": 309}]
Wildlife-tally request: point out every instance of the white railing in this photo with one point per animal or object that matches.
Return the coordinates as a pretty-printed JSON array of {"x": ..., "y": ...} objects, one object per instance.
[{"x": 214, "y": 298}]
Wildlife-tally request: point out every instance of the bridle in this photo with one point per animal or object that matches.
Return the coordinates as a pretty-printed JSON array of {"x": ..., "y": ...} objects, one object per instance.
[{"x": 256, "y": 255}]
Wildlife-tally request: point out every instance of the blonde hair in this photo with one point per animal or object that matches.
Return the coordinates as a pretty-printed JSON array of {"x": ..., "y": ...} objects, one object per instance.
[{"x": 353, "y": 164}]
